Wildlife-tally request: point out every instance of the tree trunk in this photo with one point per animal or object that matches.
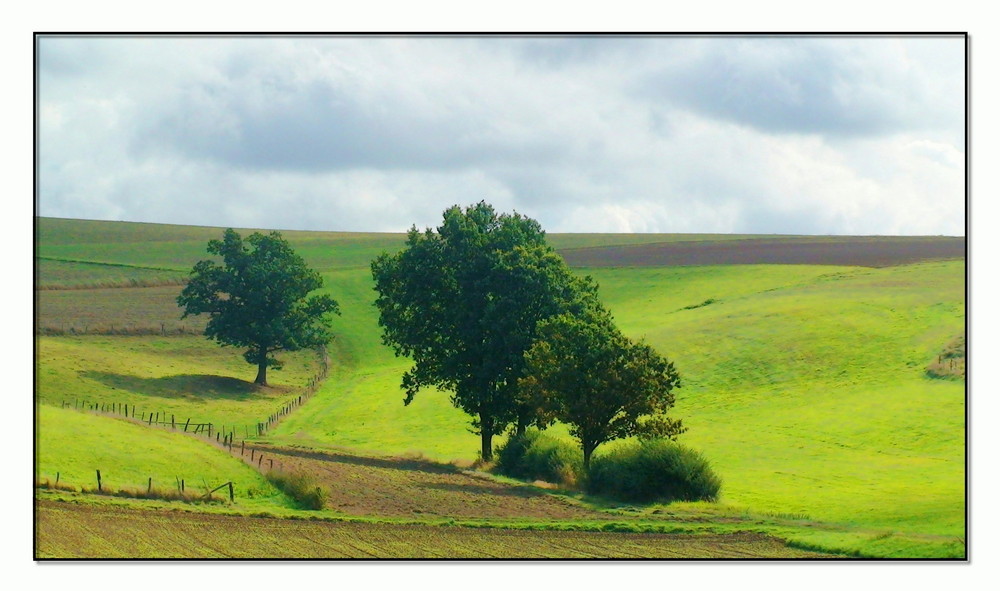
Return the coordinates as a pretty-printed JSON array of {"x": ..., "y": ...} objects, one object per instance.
[
  {"x": 486, "y": 434},
  {"x": 261, "y": 373},
  {"x": 588, "y": 450}
]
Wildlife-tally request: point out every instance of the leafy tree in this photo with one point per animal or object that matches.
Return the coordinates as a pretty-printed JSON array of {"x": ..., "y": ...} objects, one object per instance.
[
  {"x": 258, "y": 298},
  {"x": 464, "y": 302},
  {"x": 583, "y": 372}
]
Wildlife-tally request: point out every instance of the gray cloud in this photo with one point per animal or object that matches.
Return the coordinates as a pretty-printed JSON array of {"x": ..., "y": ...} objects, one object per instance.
[{"x": 585, "y": 134}]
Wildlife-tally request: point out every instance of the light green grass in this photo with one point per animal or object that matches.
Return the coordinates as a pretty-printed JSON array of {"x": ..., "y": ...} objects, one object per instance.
[
  {"x": 77, "y": 444},
  {"x": 185, "y": 377}
]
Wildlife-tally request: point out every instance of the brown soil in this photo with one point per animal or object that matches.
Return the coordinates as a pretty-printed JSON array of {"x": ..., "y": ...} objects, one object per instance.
[
  {"x": 400, "y": 487},
  {"x": 863, "y": 251},
  {"x": 69, "y": 530}
]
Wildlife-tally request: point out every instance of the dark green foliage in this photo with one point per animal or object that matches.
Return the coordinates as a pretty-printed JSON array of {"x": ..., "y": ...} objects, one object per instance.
[
  {"x": 653, "y": 470},
  {"x": 464, "y": 302},
  {"x": 585, "y": 373},
  {"x": 258, "y": 298},
  {"x": 301, "y": 488},
  {"x": 534, "y": 455}
]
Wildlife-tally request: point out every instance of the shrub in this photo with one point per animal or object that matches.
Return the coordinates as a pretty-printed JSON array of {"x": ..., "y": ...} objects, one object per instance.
[
  {"x": 538, "y": 456},
  {"x": 300, "y": 487},
  {"x": 654, "y": 470}
]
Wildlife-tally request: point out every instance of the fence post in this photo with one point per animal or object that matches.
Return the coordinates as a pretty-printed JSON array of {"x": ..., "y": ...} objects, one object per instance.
[
  {"x": 242, "y": 446},
  {"x": 172, "y": 425},
  {"x": 252, "y": 450},
  {"x": 186, "y": 423},
  {"x": 57, "y": 478},
  {"x": 230, "y": 491},
  {"x": 149, "y": 488},
  {"x": 182, "y": 485},
  {"x": 99, "y": 489},
  {"x": 272, "y": 462},
  {"x": 210, "y": 429}
]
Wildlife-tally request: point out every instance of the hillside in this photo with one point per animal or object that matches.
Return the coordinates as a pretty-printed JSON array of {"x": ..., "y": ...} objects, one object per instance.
[{"x": 806, "y": 385}]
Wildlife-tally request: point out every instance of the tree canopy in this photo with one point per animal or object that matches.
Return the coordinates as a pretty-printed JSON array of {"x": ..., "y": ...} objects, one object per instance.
[
  {"x": 464, "y": 302},
  {"x": 258, "y": 298},
  {"x": 584, "y": 373}
]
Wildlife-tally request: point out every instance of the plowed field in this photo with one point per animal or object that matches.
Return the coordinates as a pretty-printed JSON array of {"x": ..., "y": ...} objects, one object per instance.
[
  {"x": 67, "y": 530},
  {"x": 865, "y": 251}
]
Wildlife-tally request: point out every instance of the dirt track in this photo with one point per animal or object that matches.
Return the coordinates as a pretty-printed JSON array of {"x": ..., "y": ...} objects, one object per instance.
[
  {"x": 864, "y": 251},
  {"x": 68, "y": 530}
]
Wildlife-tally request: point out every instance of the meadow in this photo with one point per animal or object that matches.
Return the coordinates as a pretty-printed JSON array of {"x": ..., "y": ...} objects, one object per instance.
[{"x": 806, "y": 386}]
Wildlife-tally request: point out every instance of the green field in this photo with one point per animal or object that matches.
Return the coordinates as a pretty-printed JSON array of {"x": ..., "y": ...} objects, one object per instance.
[
  {"x": 76, "y": 445},
  {"x": 804, "y": 385}
]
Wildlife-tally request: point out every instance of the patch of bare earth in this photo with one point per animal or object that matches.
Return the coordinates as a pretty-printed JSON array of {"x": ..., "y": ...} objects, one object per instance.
[
  {"x": 400, "y": 487},
  {"x": 69, "y": 530},
  {"x": 862, "y": 251}
]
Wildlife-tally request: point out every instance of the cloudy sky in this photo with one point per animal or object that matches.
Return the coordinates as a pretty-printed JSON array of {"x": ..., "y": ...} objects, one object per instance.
[{"x": 684, "y": 134}]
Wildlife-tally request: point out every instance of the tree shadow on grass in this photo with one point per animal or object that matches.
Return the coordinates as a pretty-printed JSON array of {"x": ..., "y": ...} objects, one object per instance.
[{"x": 186, "y": 386}]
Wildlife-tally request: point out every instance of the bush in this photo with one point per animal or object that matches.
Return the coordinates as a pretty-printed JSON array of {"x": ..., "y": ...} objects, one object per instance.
[
  {"x": 301, "y": 488},
  {"x": 537, "y": 456},
  {"x": 654, "y": 470}
]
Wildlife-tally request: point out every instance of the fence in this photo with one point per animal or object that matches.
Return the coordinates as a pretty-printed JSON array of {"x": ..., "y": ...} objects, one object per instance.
[
  {"x": 224, "y": 435},
  {"x": 150, "y": 493}
]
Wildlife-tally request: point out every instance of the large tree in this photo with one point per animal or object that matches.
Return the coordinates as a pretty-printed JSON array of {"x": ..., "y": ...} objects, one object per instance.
[
  {"x": 464, "y": 301},
  {"x": 258, "y": 298},
  {"x": 582, "y": 371}
]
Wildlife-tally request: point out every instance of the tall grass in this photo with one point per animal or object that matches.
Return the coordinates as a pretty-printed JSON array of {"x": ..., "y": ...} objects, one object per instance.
[{"x": 301, "y": 487}]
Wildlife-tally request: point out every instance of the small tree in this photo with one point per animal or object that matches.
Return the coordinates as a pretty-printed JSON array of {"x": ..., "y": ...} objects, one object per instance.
[
  {"x": 258, "y": 298},
  {"x": 583, "y": 372},
  {"x": 464, "y": 302}
]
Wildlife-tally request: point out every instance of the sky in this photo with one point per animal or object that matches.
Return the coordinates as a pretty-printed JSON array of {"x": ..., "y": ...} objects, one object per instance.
[{"x": 692, "y": 134}]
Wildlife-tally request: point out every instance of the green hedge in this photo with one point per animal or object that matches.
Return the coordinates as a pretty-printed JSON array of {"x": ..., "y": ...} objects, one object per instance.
[
  {"x": 538, "y": 456},
  {"x": 656, "y": 470}
]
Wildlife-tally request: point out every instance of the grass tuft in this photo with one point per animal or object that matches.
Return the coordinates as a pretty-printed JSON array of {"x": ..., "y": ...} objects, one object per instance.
[{"x": 300, "y": 487}]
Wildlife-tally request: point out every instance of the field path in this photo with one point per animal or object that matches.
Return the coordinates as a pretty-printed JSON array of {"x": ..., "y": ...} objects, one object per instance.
[
  {"x": 70, "y": 530},
  {"x": 401, "y": 487}
]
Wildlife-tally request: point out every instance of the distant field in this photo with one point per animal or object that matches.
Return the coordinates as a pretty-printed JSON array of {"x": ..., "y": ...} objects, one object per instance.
[
  {"x": 882, "y": 251},
  {"x": 86, "y": 531},
  {"x": 77, "y": 444}
]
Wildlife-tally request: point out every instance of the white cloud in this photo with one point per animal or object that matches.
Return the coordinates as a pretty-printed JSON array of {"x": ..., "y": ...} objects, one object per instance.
[{"x": 640, "y": 135}]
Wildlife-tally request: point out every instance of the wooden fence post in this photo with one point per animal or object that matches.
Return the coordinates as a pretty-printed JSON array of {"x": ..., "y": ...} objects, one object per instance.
[
  {"x": 172, "y": 425},
  {"x": 230, "y": 491},
  {"x": 251, "y": 453},
  {"x": 57, "y": 478},
  {"x": 149, "y": 487},
  {"x": 99, "y": 489},
  {"x": 242, "y": 446},
  {"x": 186, "y": 423}
]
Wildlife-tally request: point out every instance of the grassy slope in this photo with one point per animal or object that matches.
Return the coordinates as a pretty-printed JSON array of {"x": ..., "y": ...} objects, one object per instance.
[
  {"x": 804, "y": 385},
  {"x": 188, "y": 377},
  {"x": 78, "y": 444}
]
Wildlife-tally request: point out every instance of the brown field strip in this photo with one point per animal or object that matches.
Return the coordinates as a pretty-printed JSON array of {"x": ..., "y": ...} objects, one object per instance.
[
  {"x": 400, "y": 487},
  {"x": 69, "y": 530},
  {"x": 877, "y": 251}
]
